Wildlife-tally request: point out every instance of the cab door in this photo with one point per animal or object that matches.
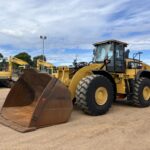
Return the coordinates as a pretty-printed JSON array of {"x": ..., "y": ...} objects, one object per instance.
[{"x": 119, "y": 61}]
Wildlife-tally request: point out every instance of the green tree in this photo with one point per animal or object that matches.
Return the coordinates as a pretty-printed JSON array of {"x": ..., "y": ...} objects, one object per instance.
[
  {"x": 2, "y": 62},
  {"x": 26, "y": 57},
  {"x": 36, "y": 58},
  {"x": 1, "y": 55}
]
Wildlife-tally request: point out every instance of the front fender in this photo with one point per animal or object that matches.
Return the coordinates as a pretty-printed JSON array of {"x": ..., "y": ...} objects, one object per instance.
[{"x": 79, "y": 75}]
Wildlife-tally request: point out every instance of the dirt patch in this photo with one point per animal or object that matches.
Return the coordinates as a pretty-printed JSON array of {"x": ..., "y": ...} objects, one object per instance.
[{"x": 122, "y": 128}]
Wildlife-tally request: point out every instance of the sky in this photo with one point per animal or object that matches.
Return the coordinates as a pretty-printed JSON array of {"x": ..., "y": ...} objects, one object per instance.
[{"x": 72, "y": 26}]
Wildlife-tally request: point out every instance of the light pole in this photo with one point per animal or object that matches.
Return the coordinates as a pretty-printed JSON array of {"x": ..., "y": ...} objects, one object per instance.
[{"x": 43, "y": 39}]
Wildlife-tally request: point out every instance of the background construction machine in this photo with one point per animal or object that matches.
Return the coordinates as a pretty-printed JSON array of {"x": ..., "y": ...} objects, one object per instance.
[
  {"x": 93, "y": 86},
  {"x": 7, "y": 71},
  {"x": 45, "y": 67}
]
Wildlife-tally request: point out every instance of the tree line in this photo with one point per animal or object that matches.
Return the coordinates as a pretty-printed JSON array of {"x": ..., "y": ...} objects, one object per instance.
[{"x": 26, "y": 57}]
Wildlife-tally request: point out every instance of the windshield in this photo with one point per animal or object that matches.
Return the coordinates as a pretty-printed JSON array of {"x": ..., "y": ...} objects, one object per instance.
[{"x": 103, "y": 52}]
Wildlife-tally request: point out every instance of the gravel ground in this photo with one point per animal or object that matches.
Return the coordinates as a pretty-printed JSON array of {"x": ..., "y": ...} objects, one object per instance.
[{"x": 122, "y": 128}]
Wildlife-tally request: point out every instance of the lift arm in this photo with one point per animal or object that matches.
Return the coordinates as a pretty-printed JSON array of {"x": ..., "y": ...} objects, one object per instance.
[{"x": 16, "y": 61}]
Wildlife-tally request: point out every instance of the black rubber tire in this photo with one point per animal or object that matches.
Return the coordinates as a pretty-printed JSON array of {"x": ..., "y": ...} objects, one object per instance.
[
  {"x": 85, "y": 94},
  {"x": 8, "y": 83},
  {"x": 138, "y": 98}
]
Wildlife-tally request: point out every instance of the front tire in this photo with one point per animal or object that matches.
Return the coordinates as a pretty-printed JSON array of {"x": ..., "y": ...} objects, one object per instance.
[{"x": 95, "y": 95}]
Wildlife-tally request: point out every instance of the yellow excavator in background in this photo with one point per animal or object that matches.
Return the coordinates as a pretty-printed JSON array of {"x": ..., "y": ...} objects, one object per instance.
[
  {"x": 46, "y": 67},
  {"x": 6, "y": 73},
  {"x": 39, "y": 100}
]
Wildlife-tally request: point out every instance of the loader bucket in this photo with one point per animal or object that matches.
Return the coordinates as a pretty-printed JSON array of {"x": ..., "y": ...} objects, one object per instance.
[{"x": 36, "y": 100}]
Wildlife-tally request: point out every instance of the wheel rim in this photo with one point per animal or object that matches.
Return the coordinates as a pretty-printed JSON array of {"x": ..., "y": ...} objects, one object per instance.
[
  {"x": 146, "y": 93},
  {"x": 101, "y": 95}
]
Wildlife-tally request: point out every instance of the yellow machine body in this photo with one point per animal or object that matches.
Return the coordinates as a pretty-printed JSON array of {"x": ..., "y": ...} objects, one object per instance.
[
  {"x": 64, "y": 75},
  {"x": 43, "y": 63},
  {"x": 72, "y": 81},
  {"x": 6, "y": 75}
]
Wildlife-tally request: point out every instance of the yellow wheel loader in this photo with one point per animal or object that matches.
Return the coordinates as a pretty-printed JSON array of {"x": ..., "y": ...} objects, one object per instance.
[
  {"x": 36, "y": 101},
  {"x": 6, "y": 74}
]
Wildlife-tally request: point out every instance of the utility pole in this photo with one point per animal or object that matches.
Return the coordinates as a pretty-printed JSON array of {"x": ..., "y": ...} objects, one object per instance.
[{"x": 43, "y": 39}]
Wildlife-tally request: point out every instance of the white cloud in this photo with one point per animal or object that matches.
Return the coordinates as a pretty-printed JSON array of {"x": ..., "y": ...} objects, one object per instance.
[
  {"x": 72, "y": 24},
  {"x": 10, "y": 32}
]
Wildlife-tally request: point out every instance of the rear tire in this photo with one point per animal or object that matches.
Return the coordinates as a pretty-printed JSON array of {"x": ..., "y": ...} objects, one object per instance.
[
  {"x": 141, "y": 93},
  {"x": 86, "y": 98}
]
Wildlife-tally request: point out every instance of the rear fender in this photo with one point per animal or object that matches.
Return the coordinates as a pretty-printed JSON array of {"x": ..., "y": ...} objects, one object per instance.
[{"x": 143, "y": 73}]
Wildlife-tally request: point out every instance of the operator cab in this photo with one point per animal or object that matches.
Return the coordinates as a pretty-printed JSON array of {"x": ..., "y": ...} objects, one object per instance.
[{"x": 114, "y": 52}]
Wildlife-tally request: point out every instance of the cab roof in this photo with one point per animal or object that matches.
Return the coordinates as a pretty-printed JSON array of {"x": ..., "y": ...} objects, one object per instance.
[{"x": 111, "y": 41}]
